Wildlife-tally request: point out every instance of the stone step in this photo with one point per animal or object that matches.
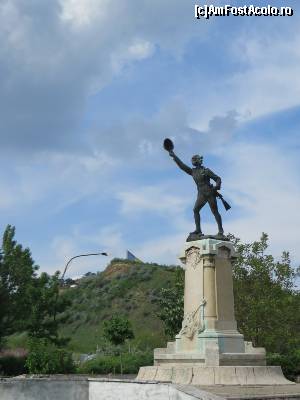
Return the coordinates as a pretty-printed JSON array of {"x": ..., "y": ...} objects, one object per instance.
[{"x": 219, "y": 375}]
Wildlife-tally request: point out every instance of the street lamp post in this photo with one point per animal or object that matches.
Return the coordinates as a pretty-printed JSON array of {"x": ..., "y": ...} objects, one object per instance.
[{"x": 65, "y": 270}]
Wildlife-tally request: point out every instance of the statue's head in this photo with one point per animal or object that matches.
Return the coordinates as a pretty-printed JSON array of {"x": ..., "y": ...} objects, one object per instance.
[{"x": 197, "y": 160}]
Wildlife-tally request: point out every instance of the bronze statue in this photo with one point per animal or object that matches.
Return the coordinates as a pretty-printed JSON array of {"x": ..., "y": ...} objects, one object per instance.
[{"x": 207, "y": 193}]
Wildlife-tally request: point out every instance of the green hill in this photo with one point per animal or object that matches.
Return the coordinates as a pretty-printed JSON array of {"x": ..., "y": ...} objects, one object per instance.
[{"x": 125, "y": 287}]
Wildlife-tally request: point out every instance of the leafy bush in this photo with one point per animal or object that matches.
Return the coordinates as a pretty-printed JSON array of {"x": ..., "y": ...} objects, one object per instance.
[
  {"x": 111, "y": 364},
  {"x": 290, "y": 363},
  {"x": 117, "y": 329},
  {"x": 100, "y": 365},
  {"x": 12, "y": 366},
  {"x": 170, "y": 303},
  {"x": 46, "y": 358}
]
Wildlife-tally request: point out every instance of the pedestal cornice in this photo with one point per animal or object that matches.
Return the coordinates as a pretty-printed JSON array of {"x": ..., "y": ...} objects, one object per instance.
[{"x": 209, "y": 247}]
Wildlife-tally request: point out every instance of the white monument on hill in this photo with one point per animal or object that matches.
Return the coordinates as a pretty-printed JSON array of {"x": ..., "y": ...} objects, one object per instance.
[{"x": 209, "y": 350}]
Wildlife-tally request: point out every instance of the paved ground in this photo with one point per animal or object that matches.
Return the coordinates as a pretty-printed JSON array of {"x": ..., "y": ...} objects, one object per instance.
[{"x": 255, "y": 392}]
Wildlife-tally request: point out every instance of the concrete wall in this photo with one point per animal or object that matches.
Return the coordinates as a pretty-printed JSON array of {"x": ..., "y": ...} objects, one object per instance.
[
  {"x": 43, "y": 389},
  {"x": 84, "y": 388}
]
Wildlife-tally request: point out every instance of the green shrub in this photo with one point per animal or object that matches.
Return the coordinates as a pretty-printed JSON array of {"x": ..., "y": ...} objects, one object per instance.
[
  {"x": 100, "y": 365},
  {"x": 45, "y": 358},
  {"x": 117, "y": 329},
  {"x": 133, "y": 362},
  {"x": 111, "y": 364},
  {"x": 290, "y": 363},
  {"x": 12, "y": 366}
]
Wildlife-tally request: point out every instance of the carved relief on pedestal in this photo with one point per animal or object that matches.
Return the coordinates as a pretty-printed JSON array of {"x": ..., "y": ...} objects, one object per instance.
[
  {"x": 208, "y": 262},
  {"x": 224, "y": 252},
  {"x": 193, "y": 322},
  {"x": 193, "y": 257}
]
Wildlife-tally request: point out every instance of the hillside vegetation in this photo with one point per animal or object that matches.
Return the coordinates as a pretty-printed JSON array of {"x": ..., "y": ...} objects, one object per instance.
[{"x": 124, "y": 287}]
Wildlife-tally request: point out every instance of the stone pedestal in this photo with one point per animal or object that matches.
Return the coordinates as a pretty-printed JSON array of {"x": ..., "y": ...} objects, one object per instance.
[
  {"x": 208, "y": 299},
  {"x": 209, "y": 345}
]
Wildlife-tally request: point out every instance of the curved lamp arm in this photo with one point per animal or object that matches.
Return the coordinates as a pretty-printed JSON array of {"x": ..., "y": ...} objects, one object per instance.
[{"x": 80, "y": 255}]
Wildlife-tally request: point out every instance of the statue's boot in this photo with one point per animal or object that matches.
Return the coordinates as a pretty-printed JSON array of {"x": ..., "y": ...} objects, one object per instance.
[
  {"x": 196, "y": 232},
  {"x": 220, "y": 235}
]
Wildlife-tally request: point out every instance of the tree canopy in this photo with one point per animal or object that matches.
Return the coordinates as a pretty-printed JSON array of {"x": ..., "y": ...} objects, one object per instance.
[
  {"x": 171, "y": 305},
  {"x": 28, "y": 302},
  {"x": 266, "y": 300},
  {"x": 117, "y": 329}
]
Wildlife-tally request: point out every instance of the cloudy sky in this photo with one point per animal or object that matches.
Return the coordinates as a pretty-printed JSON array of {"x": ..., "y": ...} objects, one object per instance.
[{"x": 90, "y": 88}]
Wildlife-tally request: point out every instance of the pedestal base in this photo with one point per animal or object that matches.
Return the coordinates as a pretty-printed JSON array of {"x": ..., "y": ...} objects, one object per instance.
[
  {"x": 223, "y": 341},
  {"x": 211, "y": 356},
  {"x": 210, "y": 376}
]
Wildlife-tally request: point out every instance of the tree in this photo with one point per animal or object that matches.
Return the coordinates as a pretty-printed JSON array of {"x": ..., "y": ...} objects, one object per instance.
[
  {"x": 46, "y": 358},
  {"x": 46, "y": 307},
  {"x": 17, "y": 275},
  {"x": 171, "y": 305},
  {"x": 116, "y": 330},
  {"x": 27, "y": 302},
  {"x": 265, "y": 297}
]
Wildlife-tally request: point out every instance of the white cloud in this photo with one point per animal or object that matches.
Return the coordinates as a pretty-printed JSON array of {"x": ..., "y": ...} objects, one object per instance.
[
  {"x": 163, "y": 250},
  {"x": 57, "y": 179},
  {"x": 140, "y": 49},
  {"x": 82, "y": 13},
  {"x": 139, "y": 139},
  {"x": 53, "y": 55},
  {"x": 158, "y": 199},
  {"x": 108, "y": 239},
  {"x": 263, "y": 74},
  {"x": 64, "y": 248},
  {"x": 167, "y": 249},
  {"x": 261, "y": 180}
]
